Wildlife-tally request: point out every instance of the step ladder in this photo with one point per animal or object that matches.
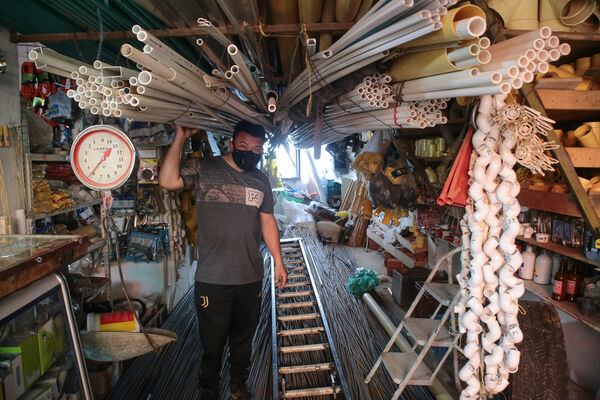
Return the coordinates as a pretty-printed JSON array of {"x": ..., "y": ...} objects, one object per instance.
[
  {"x": 305, "y": 362},
  {"x": 407, "y": 369}
]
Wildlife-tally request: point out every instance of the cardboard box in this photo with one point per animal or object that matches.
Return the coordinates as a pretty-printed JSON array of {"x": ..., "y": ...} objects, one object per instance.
[
  {"x": 13, "y": 384},
  {"x": 27, "y": 347}
]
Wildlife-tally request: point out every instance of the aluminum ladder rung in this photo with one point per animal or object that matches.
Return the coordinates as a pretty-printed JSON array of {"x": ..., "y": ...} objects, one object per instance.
[
  {"x": 294, "y": 294},
  {"x": 296, "y": 284},
  {"x": 292, "y": 255},
  {"x": 296, "y": 269},
  {"x": 294, "y": 262},
  {"x": 304, "y": 348},
  {"x": 299, "y": 369},
  {"x": 297, "y": 276},
  {"x": 301, "y": 331},
  {"x": 300, "y": 317},
  {"x": 300, "y": 304},
  {"x": 298, "y": 393}
]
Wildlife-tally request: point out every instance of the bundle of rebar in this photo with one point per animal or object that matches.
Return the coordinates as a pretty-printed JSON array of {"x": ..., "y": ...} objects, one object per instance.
[{"x": 357, "y": 335}]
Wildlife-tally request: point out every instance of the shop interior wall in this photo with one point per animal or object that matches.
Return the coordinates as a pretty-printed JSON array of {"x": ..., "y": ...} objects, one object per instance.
[{"x": 10, "y": 114}]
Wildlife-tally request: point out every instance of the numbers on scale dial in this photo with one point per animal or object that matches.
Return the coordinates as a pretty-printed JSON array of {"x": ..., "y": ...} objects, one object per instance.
[{"x": 104, "y": 157}]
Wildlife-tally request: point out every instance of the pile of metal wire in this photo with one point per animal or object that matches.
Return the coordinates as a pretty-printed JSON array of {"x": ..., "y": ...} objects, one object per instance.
[{"x": 357, "y": 335}]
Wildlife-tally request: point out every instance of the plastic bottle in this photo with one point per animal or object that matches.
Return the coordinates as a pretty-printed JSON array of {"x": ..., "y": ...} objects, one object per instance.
[
  {"x": 123, "y": 321},
  {"x": 526, "y": 271},
  {"x": 543, "y": 269}
]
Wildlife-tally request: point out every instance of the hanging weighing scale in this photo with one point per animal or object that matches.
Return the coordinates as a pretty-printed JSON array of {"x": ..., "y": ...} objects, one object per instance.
[{"x": 103, "y": 158}]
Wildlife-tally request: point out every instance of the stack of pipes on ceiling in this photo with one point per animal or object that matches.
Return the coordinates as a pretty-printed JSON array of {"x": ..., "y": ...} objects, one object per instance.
[
  {"x": 168, "y": 89},
  {"x": 453, "y": 61}
]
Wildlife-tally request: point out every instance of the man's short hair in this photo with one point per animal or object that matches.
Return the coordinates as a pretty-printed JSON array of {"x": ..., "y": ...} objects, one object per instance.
[{"x": 252, "y": 129}]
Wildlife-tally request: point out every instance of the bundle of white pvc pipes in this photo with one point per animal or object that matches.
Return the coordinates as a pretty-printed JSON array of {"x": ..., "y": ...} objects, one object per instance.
[
  {"x": 169, "y": 89},
  {"x": 338, "y": 125},
  {"x": 490, "y": 259},
  {"x": 495, "y": 69},
  {"x": 390, "y": 24}
]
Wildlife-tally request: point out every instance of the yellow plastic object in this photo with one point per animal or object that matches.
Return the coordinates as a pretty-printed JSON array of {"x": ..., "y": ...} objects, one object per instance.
[
  {"x": 448, "y": 31},
  {"x": 526, "y": 16},
  {"x": 549, "y": 15},
  {"x": 328, "y": 14},
  {"x": 595, "y": 180},
  {"x": 378, "y": 211},
  {"x": 505, "y": 8},
  {"x": 419, "y": 65},
  {"x": 343, "y": 214},
  {"x": 345, "y": 10},
  {"x": 567, "y": 68},
  {"x": 576, "y": 12},
  {"x": 587, "y": 185},
  {"x": 588, "y": 134},
  {"x": 431, "y": 175},
  {"x": 310, "y": 10},
  {"x": 286, "y": 12}
]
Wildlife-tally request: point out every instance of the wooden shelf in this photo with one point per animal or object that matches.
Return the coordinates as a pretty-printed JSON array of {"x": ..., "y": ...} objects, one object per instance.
[
  {"x": 433, "y": 159},
  {"x": 559, "y": 203},
  {"x": 49, "y": 157},
  {"x": 570, "y": 105},
  {"x": 545, "y": 293},
  {"x": 66, "y": 210},
  {"x": 571, "y": 252},
  {"x": 584, "y": 157}
]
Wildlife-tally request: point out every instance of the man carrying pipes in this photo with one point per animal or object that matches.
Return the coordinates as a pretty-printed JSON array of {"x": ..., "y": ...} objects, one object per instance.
[{"x": 234, "y": 206}]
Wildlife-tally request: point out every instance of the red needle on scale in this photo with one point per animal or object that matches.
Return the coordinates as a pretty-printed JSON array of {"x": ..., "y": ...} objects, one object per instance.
[{"x": 104, "y": 157}]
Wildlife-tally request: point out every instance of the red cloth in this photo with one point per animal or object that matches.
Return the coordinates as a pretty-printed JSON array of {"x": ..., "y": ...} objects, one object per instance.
[{"x": 456, "y": 188}]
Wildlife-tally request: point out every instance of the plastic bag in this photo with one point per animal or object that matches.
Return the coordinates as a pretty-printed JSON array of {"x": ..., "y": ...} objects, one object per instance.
[{"x": 362, "y": 281}]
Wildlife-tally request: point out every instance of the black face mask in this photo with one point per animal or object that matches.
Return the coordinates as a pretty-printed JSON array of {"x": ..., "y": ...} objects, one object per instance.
[{"x": 245, "y": 159}]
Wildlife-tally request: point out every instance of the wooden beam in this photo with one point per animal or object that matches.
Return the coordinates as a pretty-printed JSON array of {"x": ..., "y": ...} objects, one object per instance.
[
  {"x": 564, "y": 162},
  {"x": 334, "y": 27}
]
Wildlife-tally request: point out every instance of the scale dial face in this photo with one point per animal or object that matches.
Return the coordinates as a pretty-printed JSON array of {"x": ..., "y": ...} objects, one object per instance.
[{"x": 102, "y": 157}]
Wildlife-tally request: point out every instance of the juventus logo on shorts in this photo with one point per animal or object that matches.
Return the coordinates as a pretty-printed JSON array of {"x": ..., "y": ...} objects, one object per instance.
[{"x": 203, "y": 301}]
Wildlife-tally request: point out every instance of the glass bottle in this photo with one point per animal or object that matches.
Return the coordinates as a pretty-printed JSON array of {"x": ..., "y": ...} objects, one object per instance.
[
  {"x": 560, "y": 287},
  {"x": 578, "y": 229},
  {"x": 573, "y": 284}
]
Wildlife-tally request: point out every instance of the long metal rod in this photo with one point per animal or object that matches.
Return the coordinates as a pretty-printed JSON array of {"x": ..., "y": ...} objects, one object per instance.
[{"x": 334, "y": 27}]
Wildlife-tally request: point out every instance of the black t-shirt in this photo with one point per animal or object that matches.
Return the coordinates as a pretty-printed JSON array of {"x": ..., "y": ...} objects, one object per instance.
[{"x": 228, "y": 206}]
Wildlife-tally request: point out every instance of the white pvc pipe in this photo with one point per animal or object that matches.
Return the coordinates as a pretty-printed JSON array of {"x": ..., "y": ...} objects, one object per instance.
[
  {"x": 503, "y": 88},
  {"x": 470, "y": 27}
]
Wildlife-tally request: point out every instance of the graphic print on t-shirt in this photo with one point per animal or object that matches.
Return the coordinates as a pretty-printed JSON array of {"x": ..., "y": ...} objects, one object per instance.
[
  {"x": 229, "y": 193},
  {"x": 254, "y": 197}
]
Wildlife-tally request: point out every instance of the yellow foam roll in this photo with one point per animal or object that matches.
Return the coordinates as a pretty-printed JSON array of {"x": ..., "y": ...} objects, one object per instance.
[
  {"x": 526, "y": 16},
  {"x": 286, "y": 12},
  {"x": 419, "y": 65},
  {"x": 449, "y": 23}
]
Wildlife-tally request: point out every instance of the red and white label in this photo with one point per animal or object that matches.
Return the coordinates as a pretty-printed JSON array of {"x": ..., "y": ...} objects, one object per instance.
[{"x": 116, "y": 317}]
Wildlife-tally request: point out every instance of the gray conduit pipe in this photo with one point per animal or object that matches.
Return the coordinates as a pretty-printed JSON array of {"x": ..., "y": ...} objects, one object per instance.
[{"x": 437, "y": 389}]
